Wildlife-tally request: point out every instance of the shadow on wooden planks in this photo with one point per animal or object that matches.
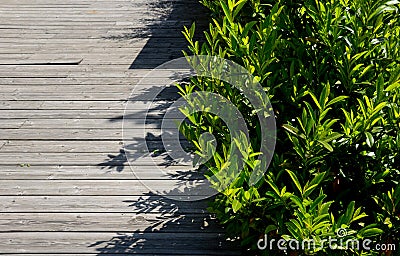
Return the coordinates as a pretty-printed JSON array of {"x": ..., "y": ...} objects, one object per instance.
[
  {"x": 165, "y": 43},
  {"x": 182, "y": 228},
  {"x": 151, "y": 143},
  {"x": 165, "y": 38}
]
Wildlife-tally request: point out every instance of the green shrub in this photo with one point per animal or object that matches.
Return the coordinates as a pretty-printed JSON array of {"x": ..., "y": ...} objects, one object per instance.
[{"x": 331, "y": 70}]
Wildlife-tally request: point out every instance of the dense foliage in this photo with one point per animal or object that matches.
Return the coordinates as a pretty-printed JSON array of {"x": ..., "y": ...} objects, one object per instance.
[{"x": 331, "y": 69}]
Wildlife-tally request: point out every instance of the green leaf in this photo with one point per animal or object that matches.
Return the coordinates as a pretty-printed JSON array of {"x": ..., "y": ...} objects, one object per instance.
[
  {"x": 326, "y": 145},
  {"x": 358, "y": 215},
  {"x": 336, "y": 100},
  {"x": 247, "y": 195},
  {"x": 315, "y": 100},
  {"x": 295, "y": 180},
  {"x": 379, "y": 87},
  {"x": 295, "y": 199},
  {"x": 370, "y": 230},
  {"x": 328, "y": 123},
  {"x": 366, "y": 70},
  {"x": 247, "y": 27},
  {"x": 309, "y": 190},
  {"x": 270, "y": 228},
  {"x": 323, "y": 98},
  {"x": 321, "y": 217},
  {"x": 333, "y": 136},
  {"x": 392, "y": 87},
  {"x": 291, "y": 129},
  {"x": 370, "y": 139},
  {"x": 238, "y": 6},
  {"x": 274, "y": 187},
  {"x": 293, "y": 228},
  {"x": 227, "y": 12},
  {"x": 310, "y": 187},
  {"x": 316, "y": 202},
  {"x": 347, "y": 217},
  {"x": 236, "y": 205},
  {"x": 357, "y": 67},
  {"x": 323, "y": 114},
  {"x": 378, "y": 108},
  {"x": 323, "y": 224}
]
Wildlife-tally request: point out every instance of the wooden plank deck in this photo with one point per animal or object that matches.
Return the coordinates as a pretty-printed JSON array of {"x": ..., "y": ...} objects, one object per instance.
[{"x": 66, "y": 72}]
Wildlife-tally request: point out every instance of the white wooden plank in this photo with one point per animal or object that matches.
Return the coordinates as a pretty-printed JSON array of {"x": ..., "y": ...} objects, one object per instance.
[
  {"x": 39, "y": 146},
  {"x": 73, "y": 81},
  {"x": 109, "y": 222},
  {"x": 146, "y": 203},
  {"x": 171, "y": 187},
  {"x": 82, "y": 96},
  {"x": 74, "y": 123},
  {"x": 87, "y": 96},
  {"x": 112, "y": 243},
  {"x": 77, "y": 88},
  {"x": 60, "y": 134},
  {"x": 78, "y": 113},
  {"x": 57, "y": 172},
  {"x": 37, "y": 99},
  {"x": 139, "y": 156},
  {"x": 56, "y": 105}
]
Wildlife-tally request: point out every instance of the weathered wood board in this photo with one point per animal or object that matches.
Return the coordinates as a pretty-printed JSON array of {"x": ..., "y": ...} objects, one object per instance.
[{"x": 67, "y": 70}]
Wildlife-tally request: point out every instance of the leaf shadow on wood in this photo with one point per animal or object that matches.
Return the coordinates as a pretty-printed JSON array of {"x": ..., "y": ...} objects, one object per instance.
[
  {"x": 152, "y": 143},
  {"x": 164, "y": 21},
  {"x": 180, "y": 228}
]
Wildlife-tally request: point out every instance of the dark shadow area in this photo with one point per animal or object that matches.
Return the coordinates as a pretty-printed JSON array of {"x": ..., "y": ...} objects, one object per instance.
[
  {"x": 153, "y": 115},
  {"x": 166, "y": 226},
  {"x": 117, "y": 162},
  {"x": 180, "y": 228},
  {"x": 164, "y": 22}
]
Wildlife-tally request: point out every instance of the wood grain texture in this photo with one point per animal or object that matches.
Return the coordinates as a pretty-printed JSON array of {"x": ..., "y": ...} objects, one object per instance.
[
  {"x": 67, "y": 71},
  {"x": 108, "y": 242},
  {"x": 109, "y": 222},
  {"x": 147, "y": 203}
]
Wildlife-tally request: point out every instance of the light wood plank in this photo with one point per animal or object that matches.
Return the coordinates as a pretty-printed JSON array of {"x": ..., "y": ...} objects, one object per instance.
[
  {"x": 74, "y": 81},
  {"x": 147, "y": 203},
  {"x": 92, "y": 242},
  {"x": 170, "y": 187},
  {"x": 56, "y": 105},
  {"x": 136, "y": 134},
  {"x": 110, "y": 114},
  {"x": 57, "y": 172},
  {"x": 109, "y": 222},
  {"x": 77, "y": 88},
  {"x": 74, "y": 123},
  {"x": 139, "y": 156},
  {"x": 65, "y": 184}
]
